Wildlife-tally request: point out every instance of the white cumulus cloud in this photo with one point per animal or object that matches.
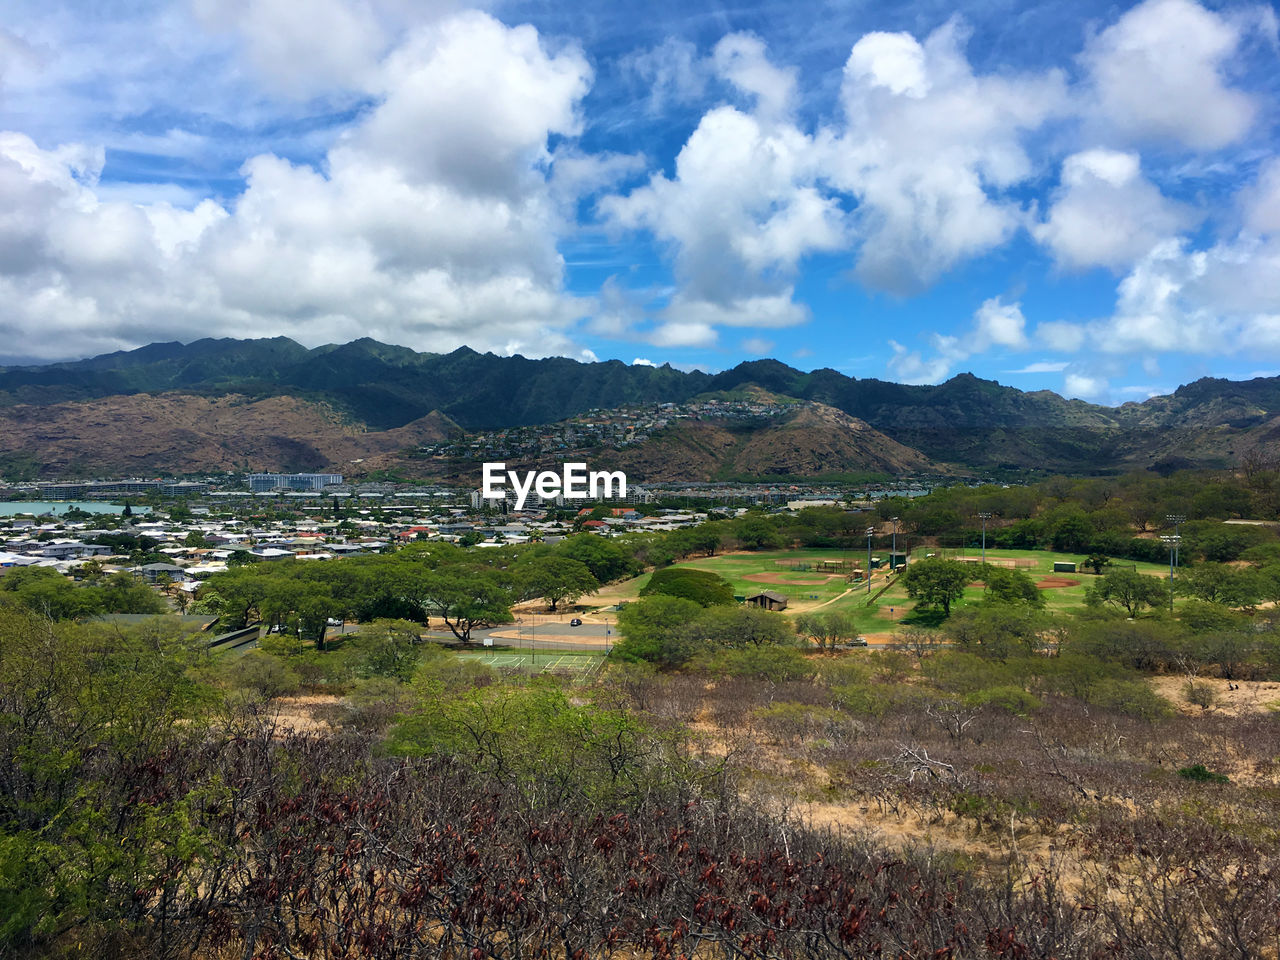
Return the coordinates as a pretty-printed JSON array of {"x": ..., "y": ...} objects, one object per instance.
[
  {"x": 1106, "y": 213},
  {"x": 1160, "y": 73},
  {"x": 432, "y": 222},
  {"x": 928, "y": 147},
  {"x": 995, "y": 324}
]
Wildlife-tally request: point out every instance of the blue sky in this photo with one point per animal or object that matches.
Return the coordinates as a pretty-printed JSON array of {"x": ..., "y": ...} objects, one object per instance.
[{"x": 1081, "y": 197}]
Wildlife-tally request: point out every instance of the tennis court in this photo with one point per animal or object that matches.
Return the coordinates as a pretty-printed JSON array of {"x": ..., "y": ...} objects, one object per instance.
[{"x": 582, "y": 667}]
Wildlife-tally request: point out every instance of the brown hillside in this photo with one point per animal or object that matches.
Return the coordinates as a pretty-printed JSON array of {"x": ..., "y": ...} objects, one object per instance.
[
  {"x": 822, "y": 439},
  {"x": 180, "y": 433},
  {"x": 815, "y": 440}
]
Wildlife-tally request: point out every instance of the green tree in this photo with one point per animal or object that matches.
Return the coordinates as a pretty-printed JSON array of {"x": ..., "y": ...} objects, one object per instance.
[
  {"x": 1220, "y": 583},
  {"x": 236, "y": 595},
  {"x": 1006, "y": 585},
  {"x": 701, "y": 586},
  {"x": 997, "y": 631},
  {"x": 826, "y": 629},
  {"x": 80, "y": 705},
  {"x": 465, "y": 599},
  {"x": 537, "y": 741},
  {"x": 264, "y": 674},
  {"x": 757, "y": 533},
  {"x": 50, "y": 594},
  {"x": 556, "y": 579},
  {"x": 121, "y": 593},
  {"x": 1127, "y": 589},
  {"x": 606, "y": 559},
  {"x": 1096, "y": 561},
  {"x": 937, "y": 582},
  {"x": 657, "y": 629},
  {"x": 389, "y": 648},
  {"x": 742, "y": 626},
  {"x": 1072, "y": 533}
]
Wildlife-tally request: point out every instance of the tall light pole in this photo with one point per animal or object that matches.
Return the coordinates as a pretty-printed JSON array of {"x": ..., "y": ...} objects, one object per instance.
[
  {"x": 893, "y": 553},
  {"x": 1177, "y": 520},
  {"x": 870, "y": 532},
  {"x": 1173, "y": 549},
  {"x": 985, "y": 517}
]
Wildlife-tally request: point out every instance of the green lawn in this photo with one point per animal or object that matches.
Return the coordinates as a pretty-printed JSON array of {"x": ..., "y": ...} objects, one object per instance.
[
  {"x": 783, "y": 577},
  {"x": 884, "y": 612}
]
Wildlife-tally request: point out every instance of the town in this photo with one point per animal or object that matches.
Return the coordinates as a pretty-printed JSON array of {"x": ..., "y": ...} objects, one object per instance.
[{"x": 614, "y": 429}]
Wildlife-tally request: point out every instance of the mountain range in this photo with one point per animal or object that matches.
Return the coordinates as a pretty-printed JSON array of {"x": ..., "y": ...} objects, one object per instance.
[{"x": 272, "y": 403}]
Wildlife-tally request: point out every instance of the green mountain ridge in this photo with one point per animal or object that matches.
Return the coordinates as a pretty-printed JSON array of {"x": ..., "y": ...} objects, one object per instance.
[{"x": 966, "y": 421}]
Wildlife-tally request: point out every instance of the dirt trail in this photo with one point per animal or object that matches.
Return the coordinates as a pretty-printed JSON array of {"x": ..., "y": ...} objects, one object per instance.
[{"x": 834, "y": 599}]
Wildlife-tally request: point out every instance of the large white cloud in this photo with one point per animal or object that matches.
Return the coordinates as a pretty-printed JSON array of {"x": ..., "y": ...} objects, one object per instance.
[
  {"x": 433, "y": 222},
  {"x": 923, "y": 152},
  {"x": 1106, "y": 213},
  {"x": 1160, "y": 73},
  {"x": 470, "y": 103},
  {"x": 928, "y": 148},
  {"x": 327, "y": 45},
  {"x": 743, "y": 207},
  {"x": 1219, "y": 300}
]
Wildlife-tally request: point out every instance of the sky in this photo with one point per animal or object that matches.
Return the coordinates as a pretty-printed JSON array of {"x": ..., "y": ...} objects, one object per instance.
[{"x": 1075, "y": 196}]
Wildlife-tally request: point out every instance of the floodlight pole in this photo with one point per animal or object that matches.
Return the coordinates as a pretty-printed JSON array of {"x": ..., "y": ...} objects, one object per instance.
[
  {"x": 893, "y": 552},
  {"x": 870, "y": 531},
  {"x": 985, "y": 517},
  {"x": 1173, "y": 548},
  {"x": 1177, "y": 520}
]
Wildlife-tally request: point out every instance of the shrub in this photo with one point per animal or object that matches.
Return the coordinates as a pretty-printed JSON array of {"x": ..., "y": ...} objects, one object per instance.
[
  {"x": 876, "y": 699},
  {"x": 1199, "y": 773},
  {"x": 1010, "y": 699},
  {"x": 803, "y": 721},
  {"x": 264, "y": 674},
  {"x": 774, "y": 664},
  {"x": 1133, "y": 697},
  {"x": 1201, "y": 694}
]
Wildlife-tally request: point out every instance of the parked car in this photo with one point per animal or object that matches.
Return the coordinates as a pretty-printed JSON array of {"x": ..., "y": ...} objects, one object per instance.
[{"x": 575, "y": 622}]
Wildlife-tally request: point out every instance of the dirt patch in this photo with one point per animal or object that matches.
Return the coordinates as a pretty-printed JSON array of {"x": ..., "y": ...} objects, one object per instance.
[
  {"x": 1019, "y": 563},
  {"x": 1054, "y": 583},
  {"x": 782, "y": 579},
  {"x": 304, "y": 713},
  {"x": 1232, "y": 698}
]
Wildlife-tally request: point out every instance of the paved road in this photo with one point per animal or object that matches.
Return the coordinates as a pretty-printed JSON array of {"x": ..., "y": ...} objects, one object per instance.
[{"x": 550, "y": 634}]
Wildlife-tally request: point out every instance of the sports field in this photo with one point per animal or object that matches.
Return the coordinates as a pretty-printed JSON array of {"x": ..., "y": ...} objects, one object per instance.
[
  {"x": 809, "y": 578},
  {"x": 803, "y": 577}
]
